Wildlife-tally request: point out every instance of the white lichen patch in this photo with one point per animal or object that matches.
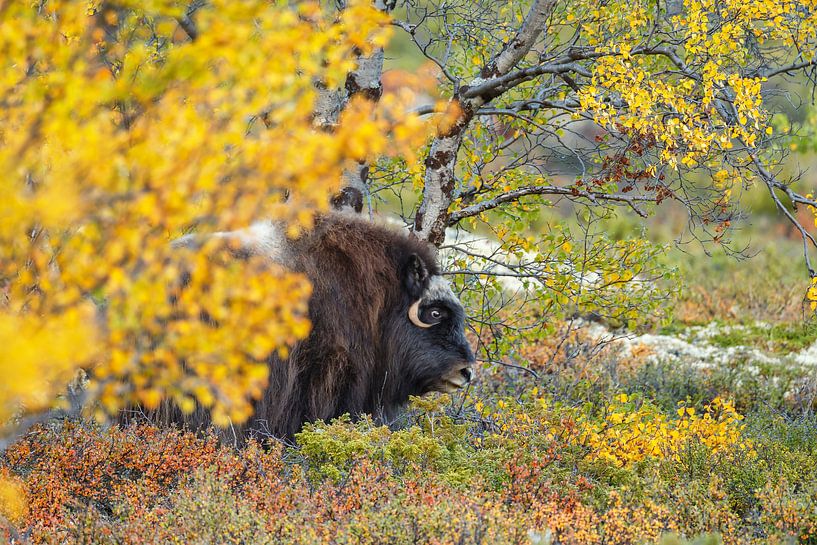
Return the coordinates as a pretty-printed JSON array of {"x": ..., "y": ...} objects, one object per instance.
[
  {"x": 695, "y": 347},
  {"x": 807, "y": 356}
]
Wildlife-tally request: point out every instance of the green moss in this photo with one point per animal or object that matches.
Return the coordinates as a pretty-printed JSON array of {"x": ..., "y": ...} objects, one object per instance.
[{"x": 781, "y": 338}]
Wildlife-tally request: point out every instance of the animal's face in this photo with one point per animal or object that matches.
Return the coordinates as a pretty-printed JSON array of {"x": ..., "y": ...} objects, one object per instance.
[{"x": 431, "y": 345}]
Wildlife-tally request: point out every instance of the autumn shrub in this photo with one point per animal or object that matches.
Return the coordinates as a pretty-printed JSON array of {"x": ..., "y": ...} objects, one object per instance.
[
  {"x": 608, "y": 451},
  {"x": 751, "y": 386},
  {"x": 703, "y": 539},
  {"x": 469, "y": 470},
  {"x": 71, "y": 468},
  {"x": 790, "y": 511},
  {"x": 331, "y": 450},
  {"x": 580, "y": 363},
  {"x": 632, "y": 430},
  {"x": 786, "y": 447},
  {"x": 700, "y": 506},
  {"x": 209, "y": 492},
  {"x": 208, "y": 509}
]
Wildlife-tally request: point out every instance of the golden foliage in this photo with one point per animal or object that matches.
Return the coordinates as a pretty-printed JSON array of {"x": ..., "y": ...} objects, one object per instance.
[
  {"x": 688, "y": 82},
  {"x": 118, "y": 133},
  {"x": 12, "y": 499},
  {"x": 629, "y": 434}
]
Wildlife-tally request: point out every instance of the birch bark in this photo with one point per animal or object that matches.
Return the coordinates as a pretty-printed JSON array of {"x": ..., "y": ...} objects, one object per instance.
[
  {"x": 439, "y": 179},
  {"x": 363, "y": 81}
]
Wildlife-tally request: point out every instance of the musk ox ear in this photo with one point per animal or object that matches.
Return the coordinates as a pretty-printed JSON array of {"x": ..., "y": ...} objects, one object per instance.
[{"x": 415, "y": 276}]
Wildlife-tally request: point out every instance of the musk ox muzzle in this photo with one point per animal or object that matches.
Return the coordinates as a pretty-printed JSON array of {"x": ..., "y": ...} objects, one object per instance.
[{"x": 456, "y": 379}]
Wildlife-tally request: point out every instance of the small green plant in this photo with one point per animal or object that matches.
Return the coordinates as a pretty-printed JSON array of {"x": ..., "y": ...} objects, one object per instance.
[
  {"x": 434, "y": 443},
  {"x": 781, "y": 338}
]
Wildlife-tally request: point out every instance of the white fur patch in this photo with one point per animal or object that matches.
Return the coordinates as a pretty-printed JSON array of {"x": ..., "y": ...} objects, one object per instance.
[
  {"x": 261, "y": 238},
  {"x": 439, "y": 289}
]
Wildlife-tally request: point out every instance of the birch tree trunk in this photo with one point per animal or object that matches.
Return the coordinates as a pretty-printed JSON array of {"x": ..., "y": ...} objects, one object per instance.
[
  {"x": 363, "y": 81},
  {"x": 439, "y": 179}
]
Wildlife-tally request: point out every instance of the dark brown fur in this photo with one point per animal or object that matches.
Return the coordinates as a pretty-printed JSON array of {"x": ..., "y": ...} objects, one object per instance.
[{"x": 354, "y": 269}]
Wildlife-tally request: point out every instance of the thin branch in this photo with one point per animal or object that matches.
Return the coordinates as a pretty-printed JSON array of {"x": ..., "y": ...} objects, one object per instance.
[
  {"x": 528, "y": 370},
  {"x": 672, "y": 56},
  {"x": 773, "y": 183},
  {"x": 188, "y": 26},
  {"x": 771, "y": 72},
  {"x": 186, "y": 21},
  {"x": 498, "y": 85},
  {"x": 411, "y": 30},
  {"x": 425, "y": 109},
  {"x": 516, "y": 194}
]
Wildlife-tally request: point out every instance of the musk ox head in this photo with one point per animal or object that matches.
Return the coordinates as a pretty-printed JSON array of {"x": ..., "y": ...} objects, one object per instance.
[{"x": 430, "y": 337}]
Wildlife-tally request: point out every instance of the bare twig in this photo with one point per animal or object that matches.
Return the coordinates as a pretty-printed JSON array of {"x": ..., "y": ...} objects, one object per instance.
[{"x": 516, "y": 194}]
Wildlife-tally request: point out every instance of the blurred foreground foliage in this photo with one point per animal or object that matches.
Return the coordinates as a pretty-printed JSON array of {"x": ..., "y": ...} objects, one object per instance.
[
  {"x": 124, "y": 125},
  {"x": 122, "y": 128}
]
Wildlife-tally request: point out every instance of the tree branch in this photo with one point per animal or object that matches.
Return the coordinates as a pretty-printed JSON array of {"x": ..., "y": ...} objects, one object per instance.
[
  {"x": 188, "y": 26},
  {"x": 363, "y": 81},
  {"x": 773, "y": 183},
  {"x": 496, "y": 86},
  {"x": 794, "y": 67},
  {"x": 186, "y": 21},
  {"x": 516, "y": 49},
  {"x": 516, "y": 194},
  {"x": 439, "y": 182}
]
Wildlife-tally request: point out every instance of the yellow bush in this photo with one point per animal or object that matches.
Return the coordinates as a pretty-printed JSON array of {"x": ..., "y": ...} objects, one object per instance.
[
  {"x": 629, "y": 434},
  {"x": 12, "y": 500}
]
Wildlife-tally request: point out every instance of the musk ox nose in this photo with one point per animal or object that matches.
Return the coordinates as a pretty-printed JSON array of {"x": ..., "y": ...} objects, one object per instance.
[{"x": 455, "y": 379}]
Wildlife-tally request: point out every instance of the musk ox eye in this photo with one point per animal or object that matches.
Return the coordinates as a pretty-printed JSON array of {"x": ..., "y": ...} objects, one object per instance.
[{"x": 434, "y": 315}]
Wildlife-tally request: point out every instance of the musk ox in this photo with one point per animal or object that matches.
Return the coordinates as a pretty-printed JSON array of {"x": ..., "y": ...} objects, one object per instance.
[{"x": 385, "y": 326}]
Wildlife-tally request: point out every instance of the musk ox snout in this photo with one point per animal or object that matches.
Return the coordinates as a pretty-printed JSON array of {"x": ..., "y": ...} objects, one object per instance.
[{"x": 456, "y": 379}]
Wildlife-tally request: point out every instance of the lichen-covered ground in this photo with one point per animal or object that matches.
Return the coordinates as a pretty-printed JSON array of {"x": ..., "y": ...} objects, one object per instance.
[{"x": 702, "y": 433}]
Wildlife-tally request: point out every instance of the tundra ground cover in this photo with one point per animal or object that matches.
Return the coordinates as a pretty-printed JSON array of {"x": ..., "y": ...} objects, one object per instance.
[
  {"x": 618, "y": 447},
  {"x": 702, "y": 431}
]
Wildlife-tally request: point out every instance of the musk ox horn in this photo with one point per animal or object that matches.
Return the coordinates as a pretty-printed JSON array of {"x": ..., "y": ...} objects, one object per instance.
[{"x": 414, "y": 315}]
